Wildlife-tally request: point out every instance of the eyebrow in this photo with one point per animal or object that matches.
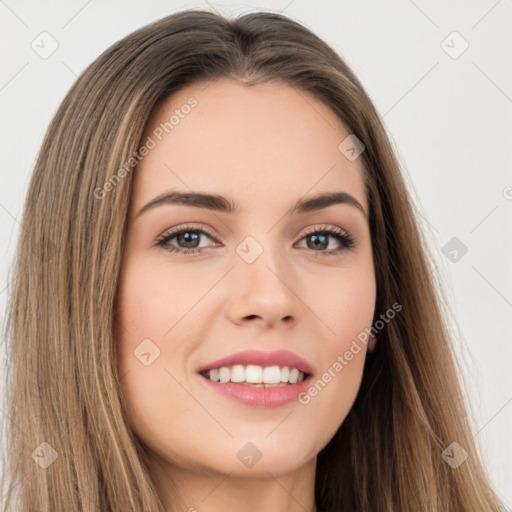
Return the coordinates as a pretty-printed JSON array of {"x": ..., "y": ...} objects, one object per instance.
[{"x": 222, "y": 204}]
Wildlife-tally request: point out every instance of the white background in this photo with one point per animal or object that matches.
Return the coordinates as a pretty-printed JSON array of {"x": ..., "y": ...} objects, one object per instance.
[{"x": 449, "y": 119}]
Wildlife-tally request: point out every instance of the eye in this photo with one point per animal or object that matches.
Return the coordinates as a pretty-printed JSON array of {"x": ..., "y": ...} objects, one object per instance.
[
  {"x": 318, "y": 237},
  {"x": 189, "y": 238}
]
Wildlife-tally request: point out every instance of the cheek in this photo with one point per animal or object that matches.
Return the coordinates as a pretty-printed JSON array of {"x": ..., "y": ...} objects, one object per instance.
[
  {"x": 152, "y": 298},
  {"x": 345, "y": 307},
  {"x": 154, "y": 310},
  {"x": 146, "y": 358}
]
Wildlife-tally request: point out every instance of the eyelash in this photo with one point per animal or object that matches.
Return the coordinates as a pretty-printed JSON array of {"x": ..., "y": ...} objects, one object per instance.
[{"x": 347, "y": 242}]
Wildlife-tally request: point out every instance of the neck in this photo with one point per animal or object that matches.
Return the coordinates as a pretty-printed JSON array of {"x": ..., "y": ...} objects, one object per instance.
[{"x": 204, "y": 490}]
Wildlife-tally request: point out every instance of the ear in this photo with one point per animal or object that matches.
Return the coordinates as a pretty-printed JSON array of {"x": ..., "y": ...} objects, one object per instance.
[{"x": 371, "y": 343}]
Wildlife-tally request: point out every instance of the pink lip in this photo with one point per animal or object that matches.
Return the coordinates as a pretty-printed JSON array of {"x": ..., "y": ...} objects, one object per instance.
[
  {"x": 257, "y": 357},
  {"x": 259, "y": 396}
]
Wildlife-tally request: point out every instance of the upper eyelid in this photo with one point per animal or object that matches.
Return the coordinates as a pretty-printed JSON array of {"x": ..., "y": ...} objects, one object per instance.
[
  {"x": 323, "y": 227},
  {"x": 177, "y": 231}
]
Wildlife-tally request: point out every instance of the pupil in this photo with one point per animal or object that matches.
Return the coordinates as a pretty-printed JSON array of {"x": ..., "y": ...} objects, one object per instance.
[
  {"x": 189, "y": 238},
  {"x": 315, "y": 243}
]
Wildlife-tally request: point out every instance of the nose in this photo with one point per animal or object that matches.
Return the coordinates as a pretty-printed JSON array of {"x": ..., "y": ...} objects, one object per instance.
[{"x": 262, "y": 292}]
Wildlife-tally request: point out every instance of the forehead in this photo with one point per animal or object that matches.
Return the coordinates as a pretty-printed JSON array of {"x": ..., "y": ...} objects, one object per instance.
[{"x": 268, "y": 142}]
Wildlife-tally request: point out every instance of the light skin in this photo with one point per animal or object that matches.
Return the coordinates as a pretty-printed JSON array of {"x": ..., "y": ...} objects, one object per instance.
[{"x": 265, "y": 147}]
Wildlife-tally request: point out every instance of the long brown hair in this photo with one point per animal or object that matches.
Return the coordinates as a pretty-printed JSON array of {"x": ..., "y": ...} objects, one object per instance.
[{"x": 63, "y": 384}]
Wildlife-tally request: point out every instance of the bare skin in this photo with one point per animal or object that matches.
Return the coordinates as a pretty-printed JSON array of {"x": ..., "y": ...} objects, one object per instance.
[{"x": 265, "y": 147}]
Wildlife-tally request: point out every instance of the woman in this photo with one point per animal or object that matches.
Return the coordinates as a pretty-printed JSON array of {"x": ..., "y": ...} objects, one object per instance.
[{"x": 222, "y": 298}]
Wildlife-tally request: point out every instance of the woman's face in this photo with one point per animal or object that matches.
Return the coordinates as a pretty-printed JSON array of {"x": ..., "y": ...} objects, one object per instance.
[{"x": 267, "y": 278}]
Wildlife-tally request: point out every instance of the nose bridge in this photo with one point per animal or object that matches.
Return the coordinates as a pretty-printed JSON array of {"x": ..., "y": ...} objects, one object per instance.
[
  {"x": 263, "y": 281},
  {"x": 262, "y": 262}
]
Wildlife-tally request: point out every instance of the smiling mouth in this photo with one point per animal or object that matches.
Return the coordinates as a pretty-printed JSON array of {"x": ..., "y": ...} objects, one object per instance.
[{"x": 256, "y": 376}]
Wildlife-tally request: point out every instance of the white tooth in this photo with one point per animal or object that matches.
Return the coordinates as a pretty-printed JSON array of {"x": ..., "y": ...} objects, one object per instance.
[
  {"x": 301, "y": 377},
  {"x": 224, "y": 374},
  {"x": 272, "y": 375},
  {"x": 254, "y": 374},
  {"x": 285, "y": 373},
  {"x": 237, "y": 373},
  {"x": 214, "y": 374},
  {"x": 294, "y": 375}
]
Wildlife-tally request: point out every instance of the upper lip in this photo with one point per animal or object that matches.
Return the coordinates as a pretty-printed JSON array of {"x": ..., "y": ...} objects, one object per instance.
[{"x": 260, "y": 358}]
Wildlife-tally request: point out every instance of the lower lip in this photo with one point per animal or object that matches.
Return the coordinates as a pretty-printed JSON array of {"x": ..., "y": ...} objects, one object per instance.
[{"x": 259, "y": 396}]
